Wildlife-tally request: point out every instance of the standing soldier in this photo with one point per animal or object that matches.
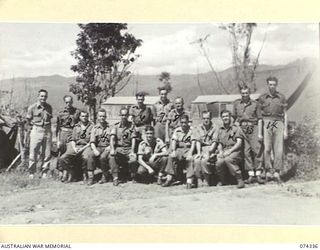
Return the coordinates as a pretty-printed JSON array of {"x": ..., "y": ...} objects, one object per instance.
[
  {"x": 174, "y": 117},
  {"x": 275, "y": 129},
  {"x": 66, "y": 120},
  {"x": 229, "y": 142},
  {"x": 152, "y": 154},
  {"x": 123, "y": 136},
  {"x": 101, "y": 147},
  {"x": 247, "y": 113},
  {"x": 161, "y": 110},
  {"x": 39, "y": 117},
  {"x": 204, "y": 135},
  {"x": 140, "y": 114},
  {"x": 79, "y": 149},
  {"x": 182, "y": 147}
]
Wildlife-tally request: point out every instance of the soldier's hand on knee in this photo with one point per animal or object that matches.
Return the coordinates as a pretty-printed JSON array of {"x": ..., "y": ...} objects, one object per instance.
[
  {"x": 260, "y": 138},
  {"x": 226, "y": 153},
  {"x": 220, "y": 155},
  {"x": 132, "y": 156},
  {"x": 96, "y": 152},
  {"x": 173, "y": 154},
  {"x": 150, "y": 171},
  {"x": 197, "y": 156},
  {"x": 112, "y": 152},
  {"x": 153, "y": 158}
]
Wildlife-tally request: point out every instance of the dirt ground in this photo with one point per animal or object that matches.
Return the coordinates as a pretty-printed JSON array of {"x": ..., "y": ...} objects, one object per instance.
[{"x": 48, "y": 201}]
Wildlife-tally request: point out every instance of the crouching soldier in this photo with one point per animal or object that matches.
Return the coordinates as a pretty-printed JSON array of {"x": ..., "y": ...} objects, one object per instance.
[
  {"x": 122, "y": 156},
  {"x": 204, "y": 161},
  {"x": 101, "y": 147},
  {"x": 152, "y": 156},
  {"x": 181, "y": 158},
  {"x": 229, "y": 141},
  {"x": 78, "y": 149}
]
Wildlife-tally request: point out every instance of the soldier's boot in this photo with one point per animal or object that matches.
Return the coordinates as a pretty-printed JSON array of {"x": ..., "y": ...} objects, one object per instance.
[
  {"x": 276, "y": 177},
  {"x": 169, "y": 181},
  {"x": 159, "y": 179},
  {"x": 240, "y": 182},
  {"x": 85, "y": 177},
  {"x": 70, "y": 176},
  {"x": 251, "y": 178},
  {"x": 208, "y": 179},
  {"x": 104, "y": 178},
  {"x": 191, "y": 183},
  {"x": 64, "y": 176},
  {"x": 259, "y": 177},
  {"x": 90, "y": 178}
]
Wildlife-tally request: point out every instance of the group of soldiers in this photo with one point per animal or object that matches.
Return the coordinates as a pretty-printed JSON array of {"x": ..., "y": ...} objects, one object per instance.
[{"x": 160, "y": 143}]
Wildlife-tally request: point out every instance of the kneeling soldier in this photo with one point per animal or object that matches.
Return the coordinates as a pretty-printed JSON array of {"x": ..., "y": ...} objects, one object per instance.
[
  {"x": 204, "y": 161},
  {"x": 229, "y": 139},
  {"x": 182, "y": 147},
  {"x": 78, "y": 149},
  {"x": 123, "y": 136},
  {"x": 101, "y": 147},
  {"x": 152, "y": 154}
]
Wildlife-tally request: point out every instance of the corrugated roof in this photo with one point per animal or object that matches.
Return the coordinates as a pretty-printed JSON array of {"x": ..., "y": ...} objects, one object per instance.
[
  {"x": 220, "y": 98},
  {"x": 130, "y": 100}
]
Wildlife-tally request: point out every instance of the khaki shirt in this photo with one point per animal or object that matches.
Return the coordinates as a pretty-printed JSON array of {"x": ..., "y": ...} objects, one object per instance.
[
  {"x": 273, "y": 106},
  {"x": 182, "y": 138},
  {"x": 68, "y": 118},
  {"x": 100, "y": 135},
  {"x": 124, "y": 134},
  {"x": 227, "y": 137},
  {"x": 141, "y": 116},
  {"x": 81, "y": 136},
  {"x": 174, "y": 118},
  {"x": 250, "y": 111},
  {"x": 205, "y": 137},
  {"x": 161, "y": 111},
  {"x": 40, "y": 115},
  {"x": 147, "y": 149}
]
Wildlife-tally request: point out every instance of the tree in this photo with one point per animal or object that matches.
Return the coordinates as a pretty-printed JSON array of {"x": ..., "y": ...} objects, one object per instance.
[
  {"x": 243, "y": 63},
  {"x": 104, "y": 54},
  {"x": 165, "y": 79}
]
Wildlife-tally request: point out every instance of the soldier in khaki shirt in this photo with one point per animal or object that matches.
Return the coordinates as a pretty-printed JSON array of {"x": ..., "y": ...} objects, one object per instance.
[
  {"x": 101, "y": 147},
  {"x": 229, "y": 143},
  {"x": 204, "y": 161},
  {"x": 161, "y": 110},
  {"x": 78, "y": 149},
  {"x": 39, "y": 117},
  {"x": 275, "y": 127},
  {"x": 181, "y": 158},
  {"x": 152, "y": 156},
  {"x": 123, "y": 136},
  {"x": 247, "y": 114}
]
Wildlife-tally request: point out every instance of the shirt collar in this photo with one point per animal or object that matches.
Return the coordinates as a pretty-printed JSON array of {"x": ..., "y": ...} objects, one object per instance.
[
  {"x": 164, "y": 102},
  {"x": 99, "y": 125},
  {"x": 246, "y": 103},
  {"x": 276, "y": 95},
  {"x": 204, "y": 128}
]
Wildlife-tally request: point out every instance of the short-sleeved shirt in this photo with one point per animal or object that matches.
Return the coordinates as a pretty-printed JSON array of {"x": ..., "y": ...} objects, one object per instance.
[
  {"x": 182, "y": 138},
  {"x": 161, "y": 110},
  {"x": 81, "y": 135},
  {"x": 141, "y": 116},
  {"x": 100, "y": 135},
  {"x": 250, "y": 111},
  {"x": 174, "y": 118},
  {"x": 204, "y": 136},
  {"x": 227, "y": 137},
  {"x": 273, "y": 106},
  {"x": 40, "y": 115},
  {"x": 147, "y": 149},
  {"x": 124, "y": 134},
  {"x": 68, "y": 118}
]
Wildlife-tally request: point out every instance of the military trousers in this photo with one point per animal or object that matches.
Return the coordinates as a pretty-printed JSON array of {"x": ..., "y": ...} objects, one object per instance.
[
  {"x": 229, "y": 163},
  {"x": 158, "y": 165},
  {"x": 40, "y": 145},
  {"x": 101, "y": 161},
  {"x": 70, "y": 159},
  {"x": 273, "y": 143},
  {"x": 122, "y": 161},
  {"x": 204, "y": 164}
]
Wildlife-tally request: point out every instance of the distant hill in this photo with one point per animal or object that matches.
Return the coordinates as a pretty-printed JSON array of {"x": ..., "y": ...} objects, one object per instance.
[{"x": 186, "y": 85}]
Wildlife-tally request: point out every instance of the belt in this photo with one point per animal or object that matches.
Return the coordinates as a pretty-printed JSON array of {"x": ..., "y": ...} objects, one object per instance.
[
  {"x": 66, "y": 129},
  {"x": 248, "y": 123}
]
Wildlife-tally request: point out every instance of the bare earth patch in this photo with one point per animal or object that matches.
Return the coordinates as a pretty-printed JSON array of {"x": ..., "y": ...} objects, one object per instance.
[{"x": 52, "y": 202}]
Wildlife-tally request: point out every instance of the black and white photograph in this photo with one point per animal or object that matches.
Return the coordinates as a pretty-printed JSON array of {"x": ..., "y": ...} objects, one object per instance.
[{"x": 159, "y": 123}]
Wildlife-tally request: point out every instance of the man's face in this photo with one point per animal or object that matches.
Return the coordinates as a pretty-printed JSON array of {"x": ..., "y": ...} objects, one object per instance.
[
  {"x": 163, "y": 95},
  {"x": 102, "y": 117},
  {"x": 184, "y": 124},
  {"x": 140, "y": 99},
  {"x": 42, "y": 97},
  {"x": 178, "y": 104},
  {"x": 272, "y": 85},
  {"x": 84, "y": 117},
  {"x": 206, "y": 119},
  {"x": 68, "y": 101},
  {"x": 124, "y": 115},
  {"x": 149, "y": 135},
  {"x": 226, "y": 119},
  {"x": 245, "y": 94}
]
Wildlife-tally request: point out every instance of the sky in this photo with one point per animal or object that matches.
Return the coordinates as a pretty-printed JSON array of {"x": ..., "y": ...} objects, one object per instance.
[{"x": 34, "y": 49}]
